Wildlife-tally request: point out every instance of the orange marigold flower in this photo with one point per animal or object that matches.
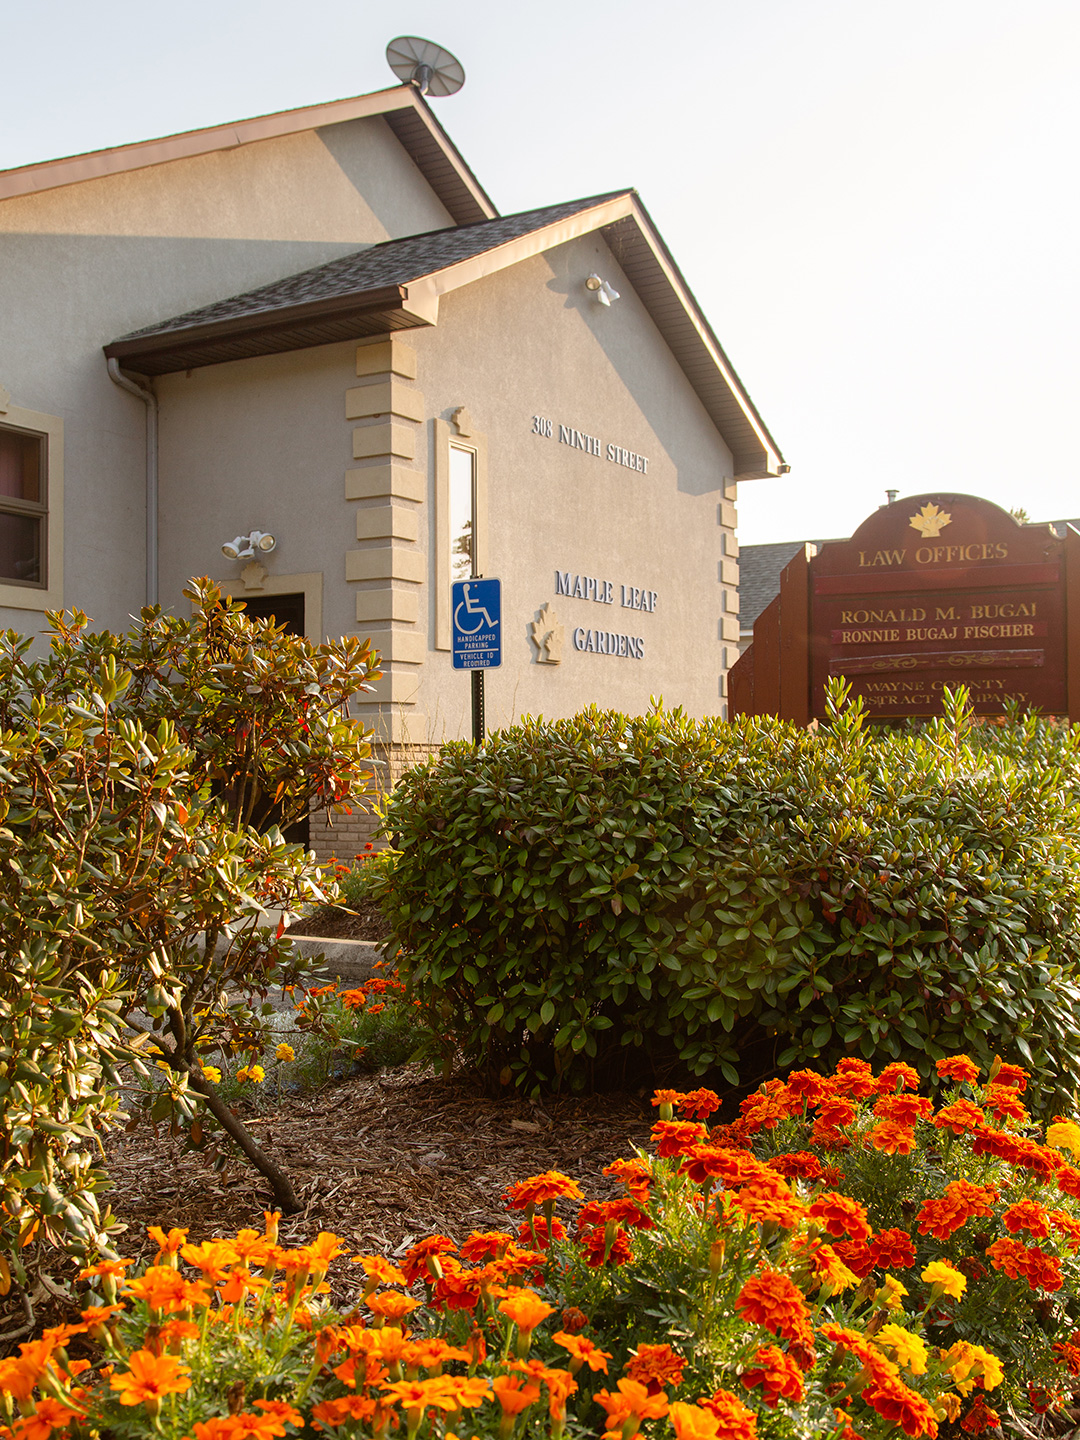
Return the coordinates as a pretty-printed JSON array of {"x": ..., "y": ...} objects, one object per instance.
[
  {"x": 164, "y": 1288},
  {"x": 1013, "y": 1075},
  {"x": 736, "y": 1422},
  {"x": 765, "y": 1108},
  {"x": 808, "y": 1086},
  {"x": 777, "y": 1374},
  {"x": 892, "y": 1139},
  {"x": 892, "y": 1249},
  {"x": 582, "y": 1351},
  {"x": 379, "y": 1270},
  {"x": 960, "y": 1068},
  {"x": 1008, "y": 1255},
  {"x": 391, "y": 1304},
  {"x": 980, "y": 1417},
  {"x": 526, "y": 1310},
  {"x": 537, "y": 1189},
  {"x": 332, "y": 1413},
  {"x": 717, "y": 1162},
  {"x": 675, "y": 1137},
  {"x": 840, "y": 1215},
  {"x": 537, "y": 1231},
  {"x": 771, "y": 1300},
  {"x": 903, "y": 1109},
  {"x": 692, "y": 1422},
  {"x": 422, "y": 1259},
  {"x": 901, "y": 1406},
  {"x": 666, "y": 1097},
  {"x": 962, "y": 1201},
  {"x": 796, "y": 1165},
  {"x": 485, "y": 1245},
  {"x": 834, "y": 1112},
  {"x": 149, "y": 1378},
  {"x": 513, "y": 1394},
  {"x": 1027, "y": 1215},
  {"x": 598, "y": 1250},
  {"x": 574, "y": 1320},
  {"x": 630, "y": 1401},
  {"x": 623, "y": 1211},
  {"x": 655, "y": 1367},
  {"x": 854, "y": 1077},
  {"x": 698, "y": 1104},
  {"x": 168, "y": 1244},
  {"x": 634, "y": 1174},
  {"x": 898, "y": 1074},
  {"x": 855, "y": 1254},
  {"x": 1067, "y": 1352},
  {"x": 1005, "y": 1103},
  {"x": 1070, "y": 1228},
  {"x": 829, "y": 1270},
  {"x": 959, "y": 1117}
]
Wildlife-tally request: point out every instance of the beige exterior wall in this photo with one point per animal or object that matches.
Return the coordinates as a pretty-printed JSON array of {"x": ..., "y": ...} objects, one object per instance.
[
  {"x": 334, "y": 450},
  {"x": 85, "y": 263}
]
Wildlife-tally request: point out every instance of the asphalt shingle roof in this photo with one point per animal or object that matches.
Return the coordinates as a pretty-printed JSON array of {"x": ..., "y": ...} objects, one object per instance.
[{"x": 393, "y": 262}]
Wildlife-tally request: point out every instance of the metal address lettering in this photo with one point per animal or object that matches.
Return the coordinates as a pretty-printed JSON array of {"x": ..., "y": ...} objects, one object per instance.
[{"x": 590, "y": 444}]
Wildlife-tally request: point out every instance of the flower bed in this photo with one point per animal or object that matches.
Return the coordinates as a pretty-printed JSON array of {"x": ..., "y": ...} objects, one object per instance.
[{"x": 842, "y": 1260}]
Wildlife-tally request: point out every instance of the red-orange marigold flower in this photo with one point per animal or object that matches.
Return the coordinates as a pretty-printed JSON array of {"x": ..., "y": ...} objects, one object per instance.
[
  {"x": 960, "y": 1068},
  {"x": 771, "y": 1300},
  {"x": 736, "y": 1422},
  {"x": 840, "y": 1215},
  {"x": 899, "y": 1405},
  {"x": 959, "y": 1117},
  {"x": 980, "y": 1417},
  {"x": 796, "y": 1165},
  {"x": 903, "y": 1109},
  {"x": 655, "y": 1367},
  {"x": 674, "y": 1137},
  {"x": 538, "y": 1189},
  {"x": 1013, "y": 1075},
  {"x": 777, "y": 1374},
  {"x": 698, "y": 1104},
  {"x": 892, "y": 1249},
  {"x": 422, "y": 1259},
  {"x": 854, "y": 1077},
  {"x": 1005, "y": 1103},
  {"x": 1027, "y": 1215},
  {"x": 898, "y": 1073},
  {"x": 892, "y": 1139}
]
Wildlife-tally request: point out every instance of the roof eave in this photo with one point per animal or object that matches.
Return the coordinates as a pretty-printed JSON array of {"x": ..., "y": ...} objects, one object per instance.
[{"x": 274, "y": 332}]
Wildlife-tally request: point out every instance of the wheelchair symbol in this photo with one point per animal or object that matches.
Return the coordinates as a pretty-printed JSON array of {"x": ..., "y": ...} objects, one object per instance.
[{"x": 473, "y": 608}]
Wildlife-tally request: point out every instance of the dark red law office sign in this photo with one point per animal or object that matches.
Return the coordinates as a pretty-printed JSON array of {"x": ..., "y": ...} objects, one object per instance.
[{"x": 930, "y": 592}]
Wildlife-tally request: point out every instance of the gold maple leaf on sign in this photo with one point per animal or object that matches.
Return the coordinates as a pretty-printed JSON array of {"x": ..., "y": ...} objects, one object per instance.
[{"x": 930, "y": 521}]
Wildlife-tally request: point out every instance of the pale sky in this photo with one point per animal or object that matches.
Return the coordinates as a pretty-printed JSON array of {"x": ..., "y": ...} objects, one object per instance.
[{"x": 875, "y": 202}]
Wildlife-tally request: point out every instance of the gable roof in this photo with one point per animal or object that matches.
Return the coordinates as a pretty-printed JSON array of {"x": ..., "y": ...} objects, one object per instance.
[
  {"x": 396, "y": 286},
  {"x": 402, "y": 107}
]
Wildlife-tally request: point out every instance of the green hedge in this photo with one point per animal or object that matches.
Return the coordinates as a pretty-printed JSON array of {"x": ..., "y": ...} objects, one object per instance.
[{"x": 577, "y": 886}]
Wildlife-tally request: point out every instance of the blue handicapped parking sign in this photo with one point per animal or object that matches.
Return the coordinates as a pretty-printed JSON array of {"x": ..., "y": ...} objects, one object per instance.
[{"x": 476, "y": 626}]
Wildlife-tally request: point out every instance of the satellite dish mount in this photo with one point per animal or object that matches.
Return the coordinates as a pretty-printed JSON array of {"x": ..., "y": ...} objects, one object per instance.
[{"x": 433, "y": 70}]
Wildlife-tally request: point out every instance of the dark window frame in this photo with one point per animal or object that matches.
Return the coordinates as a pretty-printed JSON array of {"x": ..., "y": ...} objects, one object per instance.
[{"x": 33, "y": 509}]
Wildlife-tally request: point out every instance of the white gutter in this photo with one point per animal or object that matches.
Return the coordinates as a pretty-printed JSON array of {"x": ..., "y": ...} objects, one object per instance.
[{"x": 149, "y": 399}]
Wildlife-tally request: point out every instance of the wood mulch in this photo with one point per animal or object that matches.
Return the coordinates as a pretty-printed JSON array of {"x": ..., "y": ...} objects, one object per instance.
[
  {"x": 332, "y": 922},
  {"x": 380, "y": 1160}
]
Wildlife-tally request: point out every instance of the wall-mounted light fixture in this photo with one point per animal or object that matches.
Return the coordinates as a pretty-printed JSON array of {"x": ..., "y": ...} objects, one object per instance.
[
  {"x": 604, "y": 292},
  {"x": 246, "y": 545}
]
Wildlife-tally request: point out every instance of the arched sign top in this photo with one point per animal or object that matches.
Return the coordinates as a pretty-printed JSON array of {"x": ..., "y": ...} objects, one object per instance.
[{"x": 931, "y": 591}]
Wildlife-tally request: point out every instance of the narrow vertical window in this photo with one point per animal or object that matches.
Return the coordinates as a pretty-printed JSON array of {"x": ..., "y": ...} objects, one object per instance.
[
  {"x": 22, "y": 507},
  {"x": 462, "y": 512}
]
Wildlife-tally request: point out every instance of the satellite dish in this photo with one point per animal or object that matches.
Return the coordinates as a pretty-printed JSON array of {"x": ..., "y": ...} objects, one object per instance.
[{"x": 422, "y": 63}]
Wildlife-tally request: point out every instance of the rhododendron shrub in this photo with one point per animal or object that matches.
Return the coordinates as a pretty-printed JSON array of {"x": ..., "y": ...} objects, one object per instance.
[
  {"x": 730, "y": 1284},
  {"x": 136, "y": 772},
  {"x": 703, "y": 891}
]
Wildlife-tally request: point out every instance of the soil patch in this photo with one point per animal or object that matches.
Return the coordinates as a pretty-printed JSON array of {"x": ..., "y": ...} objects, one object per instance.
[
  {"x": 332, "y": 922},
  {"x": 380, "y": 1160}
]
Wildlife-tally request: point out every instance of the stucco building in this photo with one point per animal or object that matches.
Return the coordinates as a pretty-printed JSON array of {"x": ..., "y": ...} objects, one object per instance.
[{"x": 315, "y": 324}]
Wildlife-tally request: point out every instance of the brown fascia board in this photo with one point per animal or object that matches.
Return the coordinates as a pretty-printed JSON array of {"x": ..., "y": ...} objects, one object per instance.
[
  {"x": 428, "y": 145},
  {"x": 269, "y": 332}
]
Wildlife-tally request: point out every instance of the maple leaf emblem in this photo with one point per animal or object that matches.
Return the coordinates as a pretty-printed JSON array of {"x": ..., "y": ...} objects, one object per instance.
[{"x": 930, "y": 521}]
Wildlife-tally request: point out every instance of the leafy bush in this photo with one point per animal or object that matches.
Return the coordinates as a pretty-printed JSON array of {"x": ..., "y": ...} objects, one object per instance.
[
  {"x": 714, "y": 1300},
  {"x": 131, "y": 885},
  {"x": 577, "y": 886}
]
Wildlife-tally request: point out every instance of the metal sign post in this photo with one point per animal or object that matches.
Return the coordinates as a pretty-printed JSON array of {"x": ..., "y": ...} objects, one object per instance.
[{"x": 476, "y": 636}]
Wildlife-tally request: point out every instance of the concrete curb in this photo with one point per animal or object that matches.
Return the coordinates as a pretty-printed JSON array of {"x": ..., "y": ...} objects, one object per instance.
[{"x": 352, "y": 960}]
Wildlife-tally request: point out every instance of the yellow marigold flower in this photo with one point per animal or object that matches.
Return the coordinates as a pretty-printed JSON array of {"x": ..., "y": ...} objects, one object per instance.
[
  {"x": 163, "y": 1065},
  {"x": 948, "y": 1406},
  {"x": 909, "y": 1349},
  {"x": 891, "y": 1295},
  {"x": 951, "y": 1281},
  {"x": 212, "y": 1073},
  {"x": 285, "y": 1052},
  {"x": 964, "y": 1358},
  {"x": 1065, "y": 1134},
  {"x": 254, "y": 1073}
]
